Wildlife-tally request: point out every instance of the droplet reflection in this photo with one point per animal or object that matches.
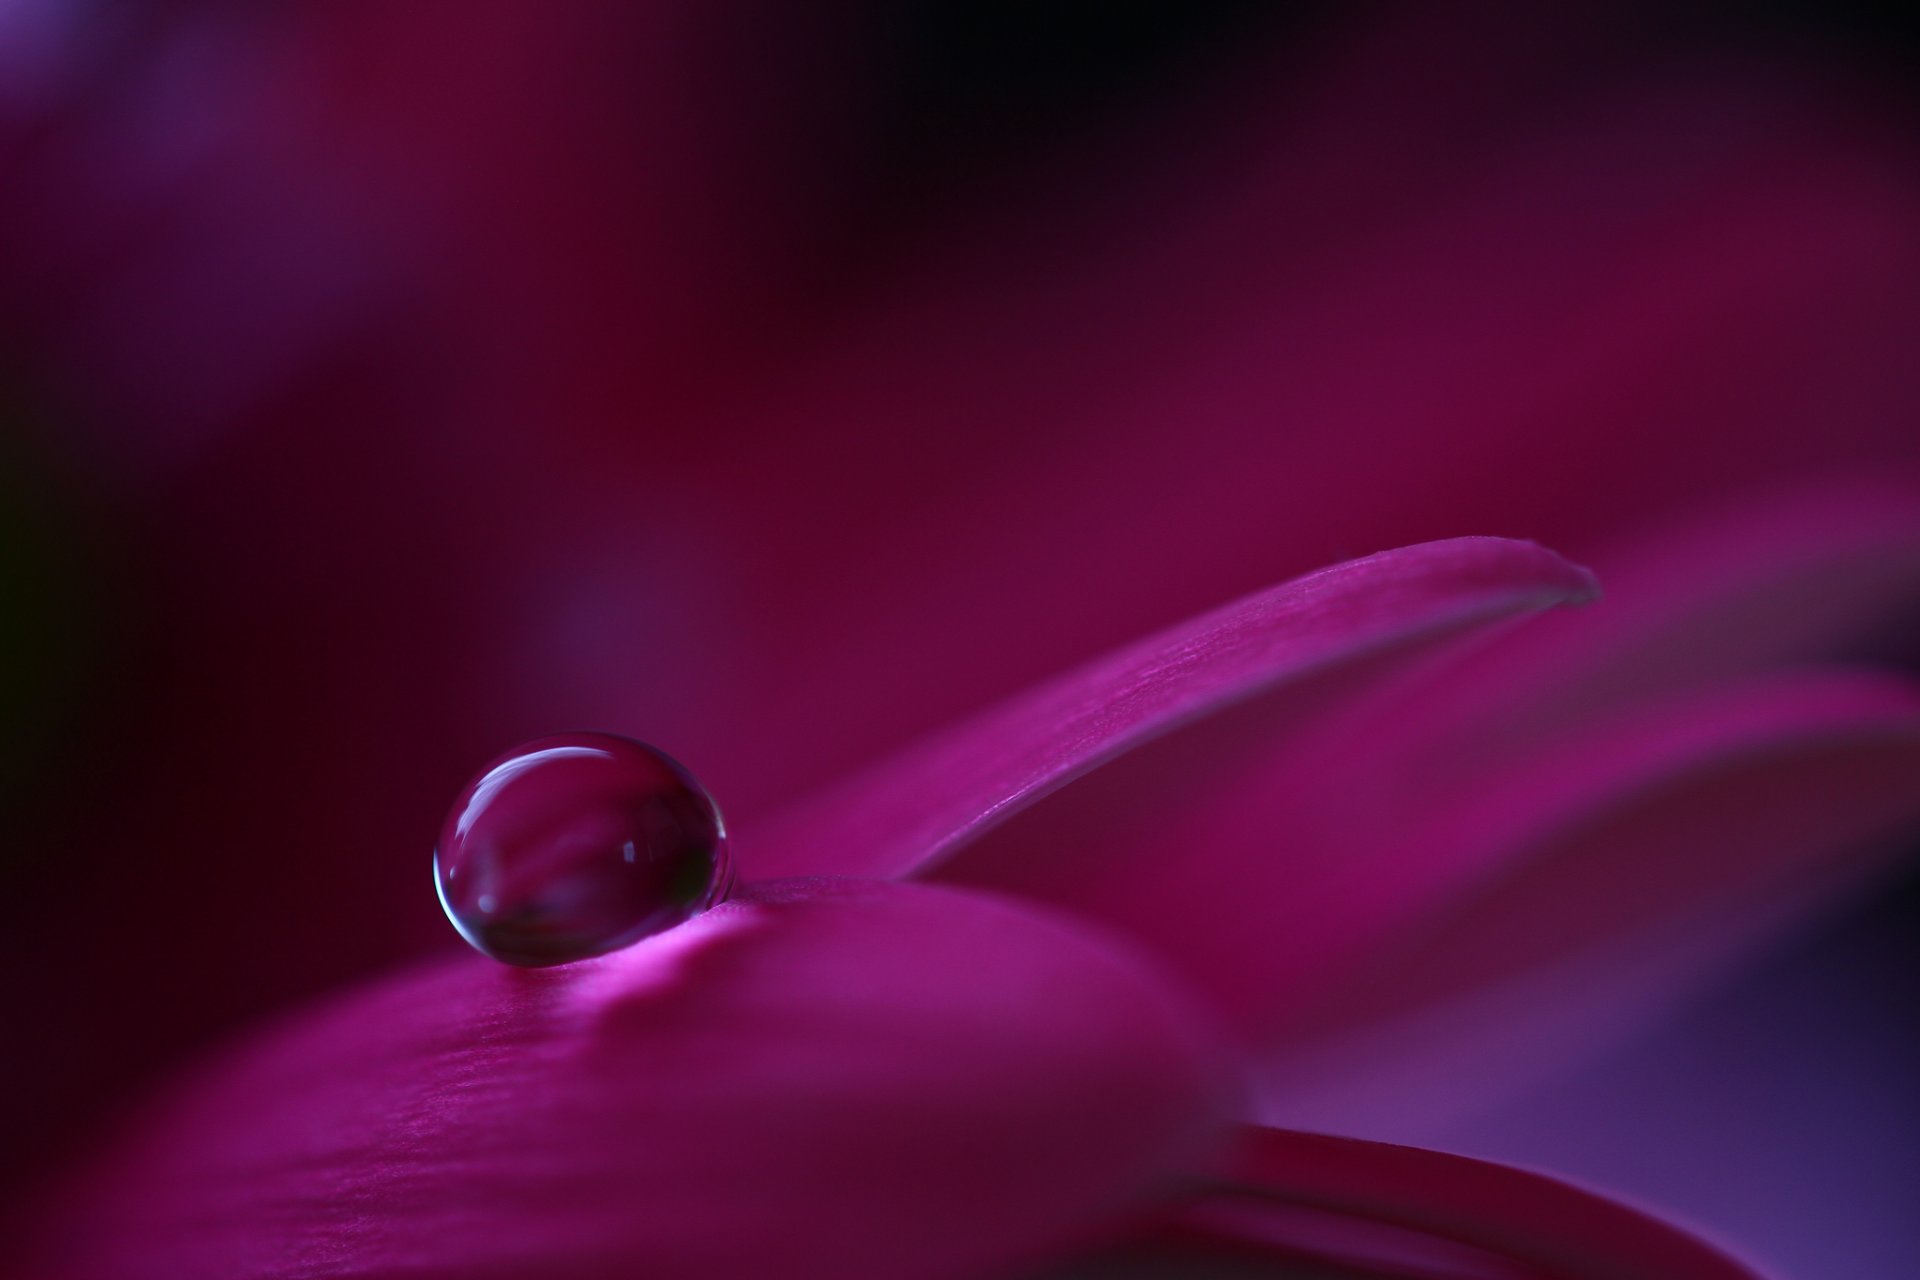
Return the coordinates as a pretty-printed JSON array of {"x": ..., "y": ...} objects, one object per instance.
[{"x": 577, "y": 845}]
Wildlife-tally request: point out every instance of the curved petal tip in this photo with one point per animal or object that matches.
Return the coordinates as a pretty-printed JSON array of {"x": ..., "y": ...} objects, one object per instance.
[{"x": 927, "y": 801}]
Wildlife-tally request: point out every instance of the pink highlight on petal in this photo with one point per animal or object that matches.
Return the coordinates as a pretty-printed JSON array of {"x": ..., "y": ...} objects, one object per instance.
[
  {"x": 1386, "y": 1210},
  {"x": 831, "y": 1079},
  {"x": 925, "y": 802}
]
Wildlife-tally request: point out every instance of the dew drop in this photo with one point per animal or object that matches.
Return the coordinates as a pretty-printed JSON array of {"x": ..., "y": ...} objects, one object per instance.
[{"x": 576, "y": 845}]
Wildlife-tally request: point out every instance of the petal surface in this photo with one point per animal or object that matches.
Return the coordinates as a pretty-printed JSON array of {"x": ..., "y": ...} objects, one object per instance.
[
  {"x": 1711, "y": 805},
  {"x": 1818, "y": 1040},
  {"x": 1586, "y": 897},
  {"x": 925, "y": 802},
  {"x": 826, "y": 1079},
  {"x": 1814, "y": 573},
  {"x": 1283, "y": 883},
  {"x": 1374, "y": 1209}
]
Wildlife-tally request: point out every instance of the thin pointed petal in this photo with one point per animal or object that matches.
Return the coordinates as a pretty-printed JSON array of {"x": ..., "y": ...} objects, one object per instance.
[
  {"x": 1807, "y": 575},
  {"x": 929, "y": 800}
]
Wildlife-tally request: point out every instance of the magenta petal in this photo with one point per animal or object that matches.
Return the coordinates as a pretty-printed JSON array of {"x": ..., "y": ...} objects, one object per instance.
[
  {"x": 1396, "y": 1212},
  {"x": 835, "y": 1079},
  {"x": 1664, "y": 832},
  {"x": 1288, "y": 887},
  {"x": 925, "y": 802},
  {"x": 1794, "y": 577}
]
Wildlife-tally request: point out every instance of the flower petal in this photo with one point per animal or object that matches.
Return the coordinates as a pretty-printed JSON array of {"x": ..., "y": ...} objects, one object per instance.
[
  {"x": 1794, "y": 577},
  {"x": 1282, "y": 884},
  {"x": 823, "y": 1079},
  {"x": 1401, "y": 1211},
  {"x": 1819, "y": 1041},
  {"x": 925, "y": 802},
  {"x": 1718, "y": 805}
]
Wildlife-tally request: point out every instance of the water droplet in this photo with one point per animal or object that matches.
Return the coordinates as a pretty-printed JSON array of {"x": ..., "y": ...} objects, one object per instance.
[{"x": 536, "y": 865}]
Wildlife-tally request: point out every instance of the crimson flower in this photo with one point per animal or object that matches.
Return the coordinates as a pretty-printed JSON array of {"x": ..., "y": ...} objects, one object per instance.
[
  {"x": 586, "y": 370},
  {"x": 850, "y": 1075}
]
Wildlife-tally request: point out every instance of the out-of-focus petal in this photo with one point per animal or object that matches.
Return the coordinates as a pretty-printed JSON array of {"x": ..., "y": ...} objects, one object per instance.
[
  {"x": 1703, "y": 607},
  {"x": 1595, "y": 906},
  {"x": 1402, "y": 1212},
  {"x": 1808, "y": 574},
  {"x": 832, "y": 1079},
  {"x": 1281, "y": 887},
  {"x": 925, "y": 802},
  {"x": 1820, "y": 1041},
  {"x": 1713, "y": 805}
]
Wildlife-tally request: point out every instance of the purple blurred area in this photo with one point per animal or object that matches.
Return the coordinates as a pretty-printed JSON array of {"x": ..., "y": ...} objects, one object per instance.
[
  {"x": 775, "y": 383},
  {"x": 1743, "y": 1106}
]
